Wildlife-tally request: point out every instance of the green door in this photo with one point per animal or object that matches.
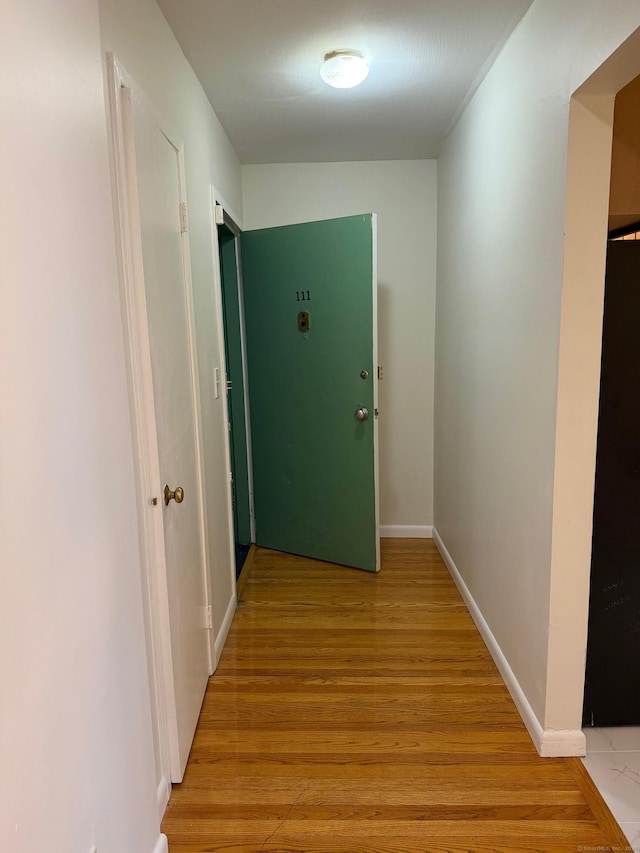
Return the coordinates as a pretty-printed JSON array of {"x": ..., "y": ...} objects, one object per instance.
[{"x": 310, "y": 311}]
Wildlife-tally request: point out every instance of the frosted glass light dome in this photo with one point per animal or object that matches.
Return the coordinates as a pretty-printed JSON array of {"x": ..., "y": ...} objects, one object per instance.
[{"x": 344, "y": 69}]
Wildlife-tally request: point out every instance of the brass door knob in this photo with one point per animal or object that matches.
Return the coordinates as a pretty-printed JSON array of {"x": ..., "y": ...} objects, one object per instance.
[{"x": 177, "y": 496}]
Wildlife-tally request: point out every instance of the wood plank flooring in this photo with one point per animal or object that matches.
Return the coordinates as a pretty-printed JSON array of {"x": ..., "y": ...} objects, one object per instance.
[{"x": 359, "y": 713}]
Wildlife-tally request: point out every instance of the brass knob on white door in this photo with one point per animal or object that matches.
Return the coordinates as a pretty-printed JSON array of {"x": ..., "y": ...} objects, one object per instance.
[
  {"x": 362, "y": 414},
  {"x": 177, "y": 496}
]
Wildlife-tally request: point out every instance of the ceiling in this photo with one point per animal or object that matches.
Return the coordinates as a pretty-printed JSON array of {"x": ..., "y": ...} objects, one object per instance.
[{"x": 259, "y": 61}]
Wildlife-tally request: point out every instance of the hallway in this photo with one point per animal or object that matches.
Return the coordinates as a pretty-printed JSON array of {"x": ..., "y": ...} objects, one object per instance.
[{"x": 363, "y": 713}]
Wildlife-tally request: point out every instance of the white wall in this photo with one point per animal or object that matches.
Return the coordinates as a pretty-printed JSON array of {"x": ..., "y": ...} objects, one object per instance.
[
  {"x": 506, "y": 497},
  {"x": 403, "y": 194},
  {"x": 136, "y": 32},
  {"x": 75, "y": 734},
  {"x": 78, "y": 764}
]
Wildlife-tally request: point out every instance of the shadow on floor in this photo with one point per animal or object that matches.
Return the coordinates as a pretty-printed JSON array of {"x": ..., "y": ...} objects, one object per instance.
[{"x": 241, "y": 556}]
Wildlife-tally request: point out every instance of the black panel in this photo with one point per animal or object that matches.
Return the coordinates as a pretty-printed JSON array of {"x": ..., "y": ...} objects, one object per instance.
[{"x": 612, "y": 689}]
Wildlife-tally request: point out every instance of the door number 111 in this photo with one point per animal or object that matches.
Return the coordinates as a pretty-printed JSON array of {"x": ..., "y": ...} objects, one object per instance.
[{"x": 303, "y": 296}]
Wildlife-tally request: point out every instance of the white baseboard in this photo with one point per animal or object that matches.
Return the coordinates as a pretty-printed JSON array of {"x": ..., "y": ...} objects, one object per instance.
[
  {"x": 221, "y": 635},
  {"x": 162, "y": 845},
  {"x": 406, "y": 531},
  {"x": 560, "y": 743},
  {"x": 548, "y": 742},
  {"x": 163, "y": 794}
]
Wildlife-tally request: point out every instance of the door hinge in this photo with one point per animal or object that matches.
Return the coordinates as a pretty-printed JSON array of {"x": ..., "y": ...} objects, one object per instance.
[
  {"x": 229, "y": 385},
  {"x": 208, "y": 615},
  {"x": 183, "y": 217}
]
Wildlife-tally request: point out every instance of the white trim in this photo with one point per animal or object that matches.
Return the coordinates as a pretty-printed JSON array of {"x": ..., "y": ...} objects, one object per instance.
[
  {"x": 224, "y": 628},
  {"x": 236, "y": 230},
  {"x": 374, "y": 371},
  {"x": 197, "y": 406},
  {"x": 217, "y": 298},
  {"x": 162, "y": 845},
  {"x": 561, "y": 743},
  {"x": 163, "y": 793},
  {"x": 548, "y": 742},
  {"x": 219, "y": 199},
  {"x": 406, "y": 531}
]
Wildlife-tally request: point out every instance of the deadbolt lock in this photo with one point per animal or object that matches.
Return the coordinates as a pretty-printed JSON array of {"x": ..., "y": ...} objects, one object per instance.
[
  {"x": 364, "y": 374},
  {"x": 177, "y": 495},
  {"x": 303, "y": 321}
]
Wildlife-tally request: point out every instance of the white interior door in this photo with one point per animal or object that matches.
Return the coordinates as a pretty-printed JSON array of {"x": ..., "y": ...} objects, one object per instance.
[{"x": 167, "y": 292}]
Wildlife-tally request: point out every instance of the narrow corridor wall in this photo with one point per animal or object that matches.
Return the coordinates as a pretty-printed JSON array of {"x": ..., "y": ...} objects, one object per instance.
[
  {"x": 502, "y": 199},
  {"x": 75, "y": 732}
]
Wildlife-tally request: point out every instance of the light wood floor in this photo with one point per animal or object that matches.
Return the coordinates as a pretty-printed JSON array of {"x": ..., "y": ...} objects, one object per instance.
[{"x": 363, "y": 713}]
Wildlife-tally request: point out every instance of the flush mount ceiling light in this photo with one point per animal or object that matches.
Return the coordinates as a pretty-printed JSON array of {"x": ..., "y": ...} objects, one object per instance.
[{"x": 344, "y": 69}]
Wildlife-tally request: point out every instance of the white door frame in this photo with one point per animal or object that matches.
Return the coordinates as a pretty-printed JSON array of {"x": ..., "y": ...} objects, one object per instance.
[
  {"x": 221, "y": 215},
  {"x": 144, "y": 432},
  {"x": 220, "y": 382}
]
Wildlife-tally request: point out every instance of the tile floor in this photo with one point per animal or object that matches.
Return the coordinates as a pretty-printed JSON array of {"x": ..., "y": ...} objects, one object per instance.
[{"x": 613, "y": 762}]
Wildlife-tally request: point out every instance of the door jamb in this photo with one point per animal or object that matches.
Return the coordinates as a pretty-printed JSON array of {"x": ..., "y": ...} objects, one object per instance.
[
  {"x": 222, "y": 216},
  {"x": 221, "y": 387}
]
